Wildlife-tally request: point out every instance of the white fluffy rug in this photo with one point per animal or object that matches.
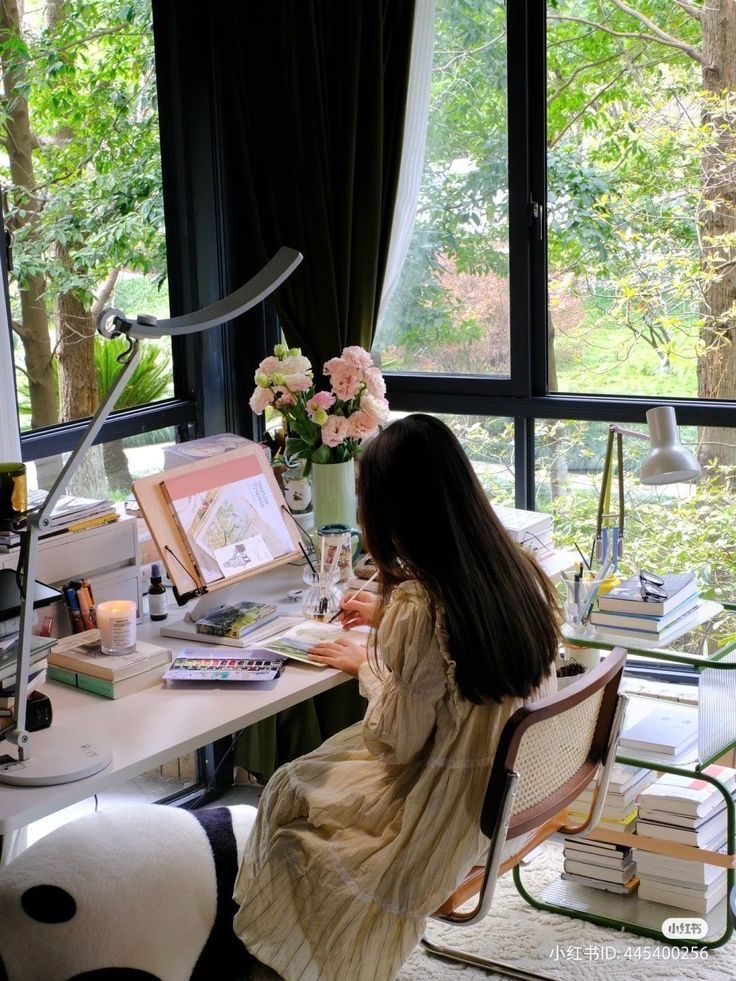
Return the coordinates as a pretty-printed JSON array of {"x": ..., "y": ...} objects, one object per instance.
[{"x": 526, "y": 937}]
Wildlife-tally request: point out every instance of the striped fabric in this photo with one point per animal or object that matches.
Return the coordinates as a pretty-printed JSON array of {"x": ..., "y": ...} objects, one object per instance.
[{"x": 358, "y": 842}]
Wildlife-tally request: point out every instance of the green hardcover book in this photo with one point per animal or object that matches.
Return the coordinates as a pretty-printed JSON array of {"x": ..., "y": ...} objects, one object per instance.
[
  {"x": 64, "y": 675},
  {"x": 237, "y": 620},
  {"x": 108, "y": 689}
]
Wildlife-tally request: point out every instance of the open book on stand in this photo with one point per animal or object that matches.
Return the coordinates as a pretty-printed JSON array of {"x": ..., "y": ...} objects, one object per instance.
[{"x": 217, "y": 521}]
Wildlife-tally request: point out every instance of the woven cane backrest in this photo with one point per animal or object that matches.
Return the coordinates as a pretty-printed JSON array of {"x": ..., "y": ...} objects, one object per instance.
[
  {"x": 553, "y": 751},
  {"x": 554, "y": 746}
]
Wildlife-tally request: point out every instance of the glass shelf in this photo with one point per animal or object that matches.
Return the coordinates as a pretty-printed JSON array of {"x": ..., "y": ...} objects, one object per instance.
[{"x": 710, "y": 650}]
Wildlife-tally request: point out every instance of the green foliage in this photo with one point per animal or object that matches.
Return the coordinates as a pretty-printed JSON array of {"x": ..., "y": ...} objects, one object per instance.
[
  {"x": 151, "y": 379},
  {"x": 629, "y": 127},
  {"x": 91, "y": 92},
  {"x": 90, "y": 85},
  {"x": 464, "y": 198},
  {"x": 670, "y": 529},
  {"x": 141, "y": 294}
]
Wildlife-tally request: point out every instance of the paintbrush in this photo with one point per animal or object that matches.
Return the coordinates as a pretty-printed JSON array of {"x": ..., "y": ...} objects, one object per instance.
[{"x": 355, "y": 595}]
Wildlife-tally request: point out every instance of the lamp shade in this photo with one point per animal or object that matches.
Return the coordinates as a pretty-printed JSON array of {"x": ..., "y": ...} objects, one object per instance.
[{"x": 667, "y": 461}]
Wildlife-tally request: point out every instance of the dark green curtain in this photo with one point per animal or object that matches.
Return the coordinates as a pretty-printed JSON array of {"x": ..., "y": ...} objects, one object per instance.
[{"x": 317, "y": 91}]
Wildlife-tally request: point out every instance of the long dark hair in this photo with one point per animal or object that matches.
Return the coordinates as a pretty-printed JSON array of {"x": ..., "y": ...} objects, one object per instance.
[{"x": 425, "y": 516}]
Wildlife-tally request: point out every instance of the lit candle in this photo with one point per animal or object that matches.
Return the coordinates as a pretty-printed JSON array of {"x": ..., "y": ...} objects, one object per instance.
[{"x": 116, "y": 620}]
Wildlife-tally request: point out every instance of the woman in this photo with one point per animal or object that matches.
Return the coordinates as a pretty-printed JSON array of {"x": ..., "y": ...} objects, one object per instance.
[{"x": 355, "y": 844}]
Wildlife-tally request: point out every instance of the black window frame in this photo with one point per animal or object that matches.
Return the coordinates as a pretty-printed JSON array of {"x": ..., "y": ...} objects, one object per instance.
[
  {"x": 212, "y": 371},
  {"x": 525, "y": 395}
]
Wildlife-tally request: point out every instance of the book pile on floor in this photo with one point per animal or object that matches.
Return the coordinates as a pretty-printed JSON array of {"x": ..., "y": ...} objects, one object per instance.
[
  {"x": 532, "y": 529},
  {"x": 78, "y": 661},
  {"x": 597, "y": 863},
  {"x": 624, "y": 611},
  {"x": 690, "y": 811}
]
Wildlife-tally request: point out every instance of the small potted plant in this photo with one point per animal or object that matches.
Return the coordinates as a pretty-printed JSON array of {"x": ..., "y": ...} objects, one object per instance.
[{"x": 568, "y": 672}]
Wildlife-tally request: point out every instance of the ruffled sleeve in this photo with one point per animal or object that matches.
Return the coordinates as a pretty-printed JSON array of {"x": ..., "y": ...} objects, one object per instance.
[{"x": 401, "y": 714}]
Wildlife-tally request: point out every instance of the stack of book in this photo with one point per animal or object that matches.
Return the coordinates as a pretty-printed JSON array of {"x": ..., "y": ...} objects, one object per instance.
[
  {"x": 8, "y": 539},
  {"x": 690, "y": 811},
  {"x": 76, "y": 513},
  {"x": 78, "y": 661},
  {"x": 8, "y": 665},
  {"x": 69, "y": 514},
  {"x": 532, "y": 529},
  {"x": 596, "y": 863},
  {"x": 661, "y": 731},
  {"x": 625, "y": 612},
  {"x": 234, "y": 625},
  {"x": 231, "y": 623}
]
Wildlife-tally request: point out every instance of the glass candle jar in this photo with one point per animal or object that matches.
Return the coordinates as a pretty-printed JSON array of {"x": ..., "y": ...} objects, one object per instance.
[{"x": 116, "y": 621}]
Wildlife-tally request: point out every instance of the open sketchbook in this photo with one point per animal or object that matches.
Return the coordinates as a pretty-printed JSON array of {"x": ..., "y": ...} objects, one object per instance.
[
  {"x": 296, "y": 641},
  {"x": 217, "y": 521}
]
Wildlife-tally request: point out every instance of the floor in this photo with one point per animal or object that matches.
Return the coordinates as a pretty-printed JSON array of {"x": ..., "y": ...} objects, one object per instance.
[
  {"x": 146, "y": 788},
  {"x": 555, "y": 946}
]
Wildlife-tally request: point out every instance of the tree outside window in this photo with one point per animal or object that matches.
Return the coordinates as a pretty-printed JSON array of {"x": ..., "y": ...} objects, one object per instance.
[{"x": 83, "y": 201}]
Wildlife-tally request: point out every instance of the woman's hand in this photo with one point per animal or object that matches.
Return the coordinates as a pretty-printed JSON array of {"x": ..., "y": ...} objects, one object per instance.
[
  {"x": 360, "y": 612},
  {"x": 343, "y": 654}
]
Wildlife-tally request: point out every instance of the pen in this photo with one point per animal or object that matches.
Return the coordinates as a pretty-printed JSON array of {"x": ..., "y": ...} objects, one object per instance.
[
  {"x": 75, "y": 613},
  {"x": 594, "y": 590},
  {"x": 355, "y": 595},
  {"x": 84, "y": 607},
  {"x": 87, "y": 588},
  {"x": 587, "y": 564},
  {"x": 306, "y": 556}
]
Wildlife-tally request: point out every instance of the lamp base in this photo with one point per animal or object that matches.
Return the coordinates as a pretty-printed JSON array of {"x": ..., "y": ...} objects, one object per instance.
[{"x": 59, "y": 756}]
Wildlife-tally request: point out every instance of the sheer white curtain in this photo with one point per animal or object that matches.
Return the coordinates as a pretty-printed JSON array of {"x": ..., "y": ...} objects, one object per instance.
[
  {"x": 9, "y": 435},
  {"x": 415, "y": 137}
]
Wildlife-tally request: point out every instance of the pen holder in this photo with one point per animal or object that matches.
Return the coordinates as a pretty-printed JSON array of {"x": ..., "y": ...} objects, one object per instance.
[
  {"x": 576, "y": 597},
  {"x": 322, "y": 599}
]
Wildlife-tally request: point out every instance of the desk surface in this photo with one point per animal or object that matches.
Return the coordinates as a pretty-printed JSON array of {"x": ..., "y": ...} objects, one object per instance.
[{"x": 159, "y": 723}]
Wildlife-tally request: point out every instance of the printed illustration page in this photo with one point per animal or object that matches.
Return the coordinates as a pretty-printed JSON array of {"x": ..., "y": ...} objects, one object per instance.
[{"x": 230, "y": 518}]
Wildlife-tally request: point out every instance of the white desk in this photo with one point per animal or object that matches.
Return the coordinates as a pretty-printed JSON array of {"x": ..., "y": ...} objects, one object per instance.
[{"x": 155, "y": 725}]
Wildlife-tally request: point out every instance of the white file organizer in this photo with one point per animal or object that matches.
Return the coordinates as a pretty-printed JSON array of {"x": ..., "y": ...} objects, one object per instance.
[{"x": 107, "y": 556}]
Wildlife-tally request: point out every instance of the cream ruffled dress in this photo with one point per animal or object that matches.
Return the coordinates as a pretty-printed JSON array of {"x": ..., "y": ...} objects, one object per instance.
[{"x": 358, "y": 842}]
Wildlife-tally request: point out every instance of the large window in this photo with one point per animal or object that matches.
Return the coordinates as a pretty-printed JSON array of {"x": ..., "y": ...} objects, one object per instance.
[
  {"x": 620, "y": 128},
  {"x": 641, "y": 157},
  {"x": 450, "y": 309},
  {"x": 81, "y": 170}
]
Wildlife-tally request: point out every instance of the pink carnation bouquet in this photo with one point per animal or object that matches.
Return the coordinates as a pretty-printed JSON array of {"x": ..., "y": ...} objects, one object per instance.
[{"x": 323, "y": 426}]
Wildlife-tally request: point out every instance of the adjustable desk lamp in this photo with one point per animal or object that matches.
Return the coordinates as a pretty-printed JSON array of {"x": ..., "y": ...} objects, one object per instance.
[
  {"x": 667, "y": 463},
  {"x": 67, "y": 755}
]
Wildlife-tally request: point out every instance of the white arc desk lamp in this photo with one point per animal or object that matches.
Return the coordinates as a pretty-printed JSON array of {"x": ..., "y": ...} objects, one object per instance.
[
  {"x": 666, "y": 463},
  {"x": 67, "y": 755}
]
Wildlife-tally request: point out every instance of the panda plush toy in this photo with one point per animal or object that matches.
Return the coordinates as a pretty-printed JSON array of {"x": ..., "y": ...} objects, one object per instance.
[{"x": 141, "y": 893}]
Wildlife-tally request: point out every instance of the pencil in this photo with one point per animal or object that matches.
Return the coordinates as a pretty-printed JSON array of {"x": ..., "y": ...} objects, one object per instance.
[
  {"x": 306, "y": 556},
  {"x": 366, "y": 583}
]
